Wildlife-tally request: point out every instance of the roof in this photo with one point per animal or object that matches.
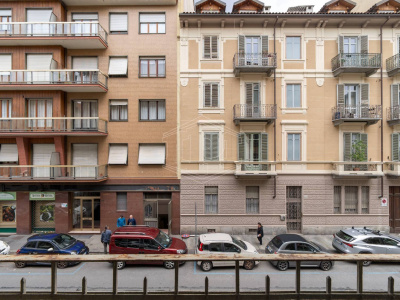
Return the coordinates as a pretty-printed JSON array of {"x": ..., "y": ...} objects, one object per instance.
[
  {"x": 380, "y": 3},
  {"x": 44, "y": 236},
  {"x": 140, "y": 230},
  {"x": 216, "y": 237},
  {"x": 363, "y": 5},
  {"x": 291, "y": 238},
  {"x": 300, "y": 8},
  {"x": 240, "y": 1},
  {"x": 354, "y": 4},
  {"x": 217, "y": 1}
]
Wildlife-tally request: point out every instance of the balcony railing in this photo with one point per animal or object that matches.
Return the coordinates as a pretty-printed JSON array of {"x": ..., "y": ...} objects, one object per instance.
[
  {"x": 254, "y": 63},
  {"x": 393, "y": 115},
  {"x": 53, "y": 172},
  {"x": 70, "y": 79},
  {"x": 255, "y": 168},
  {"x": 360, "y": 113},
  {"x": 247, "y": 112},
  {"x": 367, "y": 63},
  {"x": 58, "y": 125},
  {"x": 393, "y": 65},
  {"x": 357, "y": 169}
]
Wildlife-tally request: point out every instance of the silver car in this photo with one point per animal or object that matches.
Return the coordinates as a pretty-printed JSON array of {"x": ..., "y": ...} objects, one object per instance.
[
  {"x": 366, "y": 241},
  {"x": 296, "y": 244}
]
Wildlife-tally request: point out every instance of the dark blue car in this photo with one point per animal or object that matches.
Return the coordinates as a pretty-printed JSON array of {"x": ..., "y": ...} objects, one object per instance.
[{"x": 52, "y": 243}]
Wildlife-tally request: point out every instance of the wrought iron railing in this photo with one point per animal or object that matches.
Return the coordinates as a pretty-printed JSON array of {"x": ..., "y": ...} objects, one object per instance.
[
  {"x": 393, "y": 113},
  {"x": 393, "y": 63},
  {"x": 67, "y": 77},
  {"x": 251, "y": 60},
  {"x": 247, "y": 111},
  {"x": 357, "y": 112},
  {"x": 356, "y": 60},
  {"x": 255, "y": 166},
  {"x": 53, "y": 125},
  {"x": 360, "y": 166},
  {"x": 53, "y": 172},
  {"x": 52, "y": 29}
]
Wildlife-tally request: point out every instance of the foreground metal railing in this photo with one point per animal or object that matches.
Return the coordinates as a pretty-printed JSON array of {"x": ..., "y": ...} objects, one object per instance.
[{"x": 262, "y": 293}]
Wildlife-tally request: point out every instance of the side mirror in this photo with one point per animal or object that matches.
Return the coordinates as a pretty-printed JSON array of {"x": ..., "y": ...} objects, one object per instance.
[
  {"x": 50, "y": 250},
  {"x": 159, "y": 248}
]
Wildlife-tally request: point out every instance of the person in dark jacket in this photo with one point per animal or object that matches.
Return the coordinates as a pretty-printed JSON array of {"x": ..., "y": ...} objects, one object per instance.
[
  {"x": 121, "y": 221},
  {"x": 105, "y": 238},
  {"x": 260, "y": 233},
  {"x": 131, "y": 220}
]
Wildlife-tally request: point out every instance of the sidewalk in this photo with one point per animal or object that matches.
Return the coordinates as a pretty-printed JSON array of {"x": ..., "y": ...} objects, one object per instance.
[{"x": 95, "y": 246}]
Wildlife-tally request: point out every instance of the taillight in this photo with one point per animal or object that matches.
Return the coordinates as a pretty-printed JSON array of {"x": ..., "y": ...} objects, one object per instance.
[
  {"x": 347, "y": 244},
  {"x": 201, "y": 247},
  {"x": 18, "y": 251},
  {"x": 333, "y": 235}
]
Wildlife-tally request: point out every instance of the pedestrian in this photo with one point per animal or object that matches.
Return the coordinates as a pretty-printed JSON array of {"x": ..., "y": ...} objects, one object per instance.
[
  {"x": 105, "y": 238},
  {"x": 121, "y": 221},
  {"x": 131, "y": 220},
  {"x": 260, "y": 233}
]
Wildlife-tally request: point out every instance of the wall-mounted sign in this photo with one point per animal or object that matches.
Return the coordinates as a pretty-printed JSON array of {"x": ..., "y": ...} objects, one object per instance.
[
  {"x": 384, "y": 202},
  {"x": 8, "y": 196},
  {"x": 42, "y": 196},
  {"x": 64, "y": 205}
]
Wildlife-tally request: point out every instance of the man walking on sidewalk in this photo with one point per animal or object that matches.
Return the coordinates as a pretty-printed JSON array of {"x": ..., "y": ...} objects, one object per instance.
[
  {"x": 105, "y": 238},
  {"x": 260, "y": 233}
]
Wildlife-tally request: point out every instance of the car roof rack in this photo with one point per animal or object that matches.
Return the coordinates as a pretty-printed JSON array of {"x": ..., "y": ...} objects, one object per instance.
[
  {"x": 136, "y": 226},
  {"x": 130, "y": 232}
]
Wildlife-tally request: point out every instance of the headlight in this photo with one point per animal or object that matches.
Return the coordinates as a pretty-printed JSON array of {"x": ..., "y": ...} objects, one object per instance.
[
  {"x": 73, "y": 253},
  {"x": 180, "y": 251}
]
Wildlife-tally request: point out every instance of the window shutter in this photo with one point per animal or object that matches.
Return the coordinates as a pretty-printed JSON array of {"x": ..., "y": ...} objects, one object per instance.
[
  {"x": 214, "y": 46},
  {"x": 364, "y": 44},
  {"x": 340, "y": 95},
  {"x": 340, "y": 44},
  {"x": 5, "y": 12},
  {"x": 152, "y": 18},
  {"x": 38, "y": 61},
  {"x": 5, "y": 62},
  {"x": 395, "y": 94},
  {"x": 207, "y": 95},
  {"x": 86, "y": 17},
  {"x": 207, "y": 47},
  {"x": 241, "y": 137},
  {"x": 118, "y": 66},
  {"x": 207, "y": 146},
  {"x": 264, "y": 147},
  {"x": 38, "y": 15},
  {"x": 118, "y": 155},
  {"x": 249, "y": 94},
  {"x": 347, "y": 146},
  {"x": 215, "y": 95},
  {"x": 85, "y": 63},
  {"x": 215, "y": 146},
  {"x": 364, "y": 95},
  {"x": 364, "y": 138},
  {"x": 9, "y": 153},
  {"x": 395, "y": 147},
  {"x": 241, "y": 44},
  {"x": 118, "y": 22},
  {"x": 152, "y": 154},
  {"x": 264, "y": 44}
]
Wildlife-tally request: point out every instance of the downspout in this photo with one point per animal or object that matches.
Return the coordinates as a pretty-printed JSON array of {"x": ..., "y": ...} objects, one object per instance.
[
  {"x": 381, "y": 44},
  {"x": 276, "y": 111}
]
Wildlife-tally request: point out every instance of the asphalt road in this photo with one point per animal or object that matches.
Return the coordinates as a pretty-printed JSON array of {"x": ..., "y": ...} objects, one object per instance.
[{"x": 191, "y": 277}]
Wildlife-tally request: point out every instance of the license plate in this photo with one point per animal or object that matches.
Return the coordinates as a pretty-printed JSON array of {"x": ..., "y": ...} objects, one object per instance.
[
  {"x": 339, "y": 242},
  {"x": 269, "y": 248}
]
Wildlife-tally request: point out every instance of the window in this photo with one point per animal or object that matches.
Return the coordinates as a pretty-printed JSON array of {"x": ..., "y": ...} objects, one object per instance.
[
  {"x": 30, "y": 245},
  {"x": 211, "y": 146},
  {"x": 118, "y": 67},
  {"x": 118, "y": 23},
  {"x": 252, "y": 100},
  {"x": 88, "y": 110},
  {"x": 337, "y": 200},
  {"x": 304, "y": 247},
  {"x": 215, "y": 247},
  {"x": 89, "y": 26},
  {"x": 373, "y": 241},
  {"x": 210, "y": 46},
  {"x": 211, "y": 199},
  {"x": 151, "y": 244},
  {"x": 152, "y": 110},
  {"x": 389, "y": 242},
  {"x": 134, "y": 243},
  {"x": 5, "y": 67},
  {"x": 252, "y": 200},
  {"x": 293, "y": 50},
  {"x": 395, "y": 146},
  {"x": 365, "y": 199},
  {"x": 291, "y": 247},
  {"x": 5, "y": 17},
  {"x": 8, "y": 153},
  {"x": 228, "y": 247},
  {"x": 118, "y": 110},
  {"x": 118, "y": 154},
  {"x": 152, "y": 67},
  {"x": 152, "y": 23},
  {"x": 293, "y": 151},
  {"x": 355, "y": 149},
  {"x": 152, "y": 154},
  {"x": 122, "y": 201},
  {"x": 211, "y": 95},
  {"x": 40, "y": 108},
  {"x": 6, "y": 109},
  {"x": 44, "y": 245},
  {"x": 293, "y": 95},
  {"x": 351, "y": 200}
]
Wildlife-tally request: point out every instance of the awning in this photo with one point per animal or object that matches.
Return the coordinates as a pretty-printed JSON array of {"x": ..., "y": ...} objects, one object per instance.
[
  {"x": 152, "y": 154},
  {"x": 9, "y": 153},
  {"x": 118, "y": 155}
]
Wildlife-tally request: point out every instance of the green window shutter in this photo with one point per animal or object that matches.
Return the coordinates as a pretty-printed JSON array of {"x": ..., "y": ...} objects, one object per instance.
[
  {"x": 241, "y": 137},
  {"x": 211, "y": 146},
  {"x": 207, "y": 146},
  {"x": 364, "y": 138},
  {"x": 395, "y": 147},
  {"x": 215, "y": 95},
  {"x": 340, "y": 95},
  {"x": 214, "y": 46},
  {"x": 215, "y": 146},
  {"x": 347, "y": 146},
  {"x": 249, "y": 94},
  {"x": 264, "y": 146},
  {"x": 241, "y": 44},
  {"x": 264, "y": 44},
  {"x": 207, "y": 46},
  {"x": 364, "y": 94},
  {"x": 364, "y": 44},
  {"x": 207, "y": 95},
  {"x": 340, "y": 44},
  {"x": 395, "y": 94}
]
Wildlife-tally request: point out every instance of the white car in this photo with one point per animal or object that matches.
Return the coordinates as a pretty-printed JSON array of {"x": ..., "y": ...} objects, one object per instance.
[
  {"x": 223, "y": 243},
  {"x": 4, "y": 248}
]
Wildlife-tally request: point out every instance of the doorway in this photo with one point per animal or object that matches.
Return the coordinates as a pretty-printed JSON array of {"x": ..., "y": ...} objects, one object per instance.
[
  {"x": 86, "y": 213},
  {"x": 293, "y": 209},
  {"x": 394, "y": 209},
  {"x": 157, "y": 210}
]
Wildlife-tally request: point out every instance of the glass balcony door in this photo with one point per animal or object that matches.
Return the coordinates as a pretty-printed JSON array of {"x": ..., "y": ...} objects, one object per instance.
[
  {"x": 350, "y": 50},
  {"x": 253, "y": 50},
  {"x": 352, "y": 101},
  {"x": 85, "y": 109},
  {"x": 40, "y": 108}
]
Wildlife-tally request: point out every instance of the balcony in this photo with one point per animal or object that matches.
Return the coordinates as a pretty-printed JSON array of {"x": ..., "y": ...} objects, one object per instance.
[
  {"x": 370, "y": 114},
  {"x": 393, "y": 65},
  {"x": 393, "y": 115},
  {"x": 254, "y": 63},
  {"x": 255, "y": 169},
  {"x": 57, "y": 173},
  {"x": 367, "y": 63},
  {"x": 65, "y": 126},
  {"x": 393, "y": 169},
  {"x": 64, "y": 80},
  {"x": 70, "y": 35},
  {"x": 254, "y": 113},
  {"x": 351, "y": 169}
]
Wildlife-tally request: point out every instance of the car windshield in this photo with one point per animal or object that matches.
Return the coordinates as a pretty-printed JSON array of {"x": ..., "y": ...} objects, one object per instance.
[
  {"x": 163, "y": 239},
  {"x": 239, "y": 243},
  {"x": 277, "y": 242},
  {"x": 64, "y": 241},
  {"x": 344, "y": 236}
]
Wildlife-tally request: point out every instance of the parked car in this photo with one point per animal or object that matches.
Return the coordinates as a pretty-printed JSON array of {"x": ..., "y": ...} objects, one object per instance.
[
  {"x": 365, "y": 241},
  {"x": 4, "y": 248},
  {"x": 145, "y": 240},
  {"x": 52, "y": 243},
  {"x": 222, "y": 243},
  {"x": 296, "y": 244}
]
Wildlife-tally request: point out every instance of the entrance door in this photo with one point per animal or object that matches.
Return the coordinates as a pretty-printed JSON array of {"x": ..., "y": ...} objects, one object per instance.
[
  {"x": 293, "y": 209},
  {"x": 151, "y": 213},
  {"x": 252, "y": 100},
  {"x": 394, "y": 209},
  {"x": 169, "y": 217},
  {"x": 43, "y": 217},
  {"x": 86, "y": 214}
]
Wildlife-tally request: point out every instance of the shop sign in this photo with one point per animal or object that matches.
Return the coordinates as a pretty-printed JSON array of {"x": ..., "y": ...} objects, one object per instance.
[
  {"x": 8, "y": 196},
  {"x": 42, "y": 196}
]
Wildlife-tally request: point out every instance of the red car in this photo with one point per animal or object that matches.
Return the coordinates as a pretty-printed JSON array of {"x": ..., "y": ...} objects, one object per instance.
[{"x": 145, "y": 240}]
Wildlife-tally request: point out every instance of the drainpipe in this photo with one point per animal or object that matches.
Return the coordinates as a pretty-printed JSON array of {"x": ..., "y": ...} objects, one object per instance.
[
  {"x": 381, "y": 44},
  {"x": 276, "y": 111}
]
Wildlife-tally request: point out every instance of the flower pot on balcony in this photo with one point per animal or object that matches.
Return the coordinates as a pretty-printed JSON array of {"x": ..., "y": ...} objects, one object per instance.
[{"x": 356, "y": 169}]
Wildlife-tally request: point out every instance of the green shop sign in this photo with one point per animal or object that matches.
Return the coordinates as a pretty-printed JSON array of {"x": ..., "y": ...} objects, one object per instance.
[
  {"x": 42, "y": 196},
  {"x": 8, "y": 196}
]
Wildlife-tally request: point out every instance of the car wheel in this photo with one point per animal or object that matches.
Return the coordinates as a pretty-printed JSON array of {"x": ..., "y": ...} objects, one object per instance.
[
  {"x": 325, "y": 265},
  {"x": 283, "y": 265},
  {"x": 206, "y": 266},
  {"x": 249, "y": 264},
  {"x": 366, "y": 263},
  {"x": 62, "y": 264},
  {"x": 169, "y": 264},
  {"x": 20, "y": 264},
  {"x": 120, "y": 265}
]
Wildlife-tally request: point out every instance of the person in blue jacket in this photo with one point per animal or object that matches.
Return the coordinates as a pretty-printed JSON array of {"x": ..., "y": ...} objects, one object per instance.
[{"x": 121, "y": 221}]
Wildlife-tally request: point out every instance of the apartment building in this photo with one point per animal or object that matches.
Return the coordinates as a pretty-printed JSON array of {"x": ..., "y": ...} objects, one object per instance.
[
  {"x": 88, "y": 114},
  {"x": 289, "y": 119}
]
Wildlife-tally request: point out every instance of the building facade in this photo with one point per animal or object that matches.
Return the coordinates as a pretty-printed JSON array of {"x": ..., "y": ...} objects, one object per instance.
[
  {"x": 289, "y": 119},
  {"x": 88, "y": 104}
]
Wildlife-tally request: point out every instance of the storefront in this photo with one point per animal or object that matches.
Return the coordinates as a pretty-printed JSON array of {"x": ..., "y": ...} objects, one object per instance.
[
  {"x": 43, "y": 211},
  {"x": 86, "y": 211},
  {"x": 8, "y": 206}
]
